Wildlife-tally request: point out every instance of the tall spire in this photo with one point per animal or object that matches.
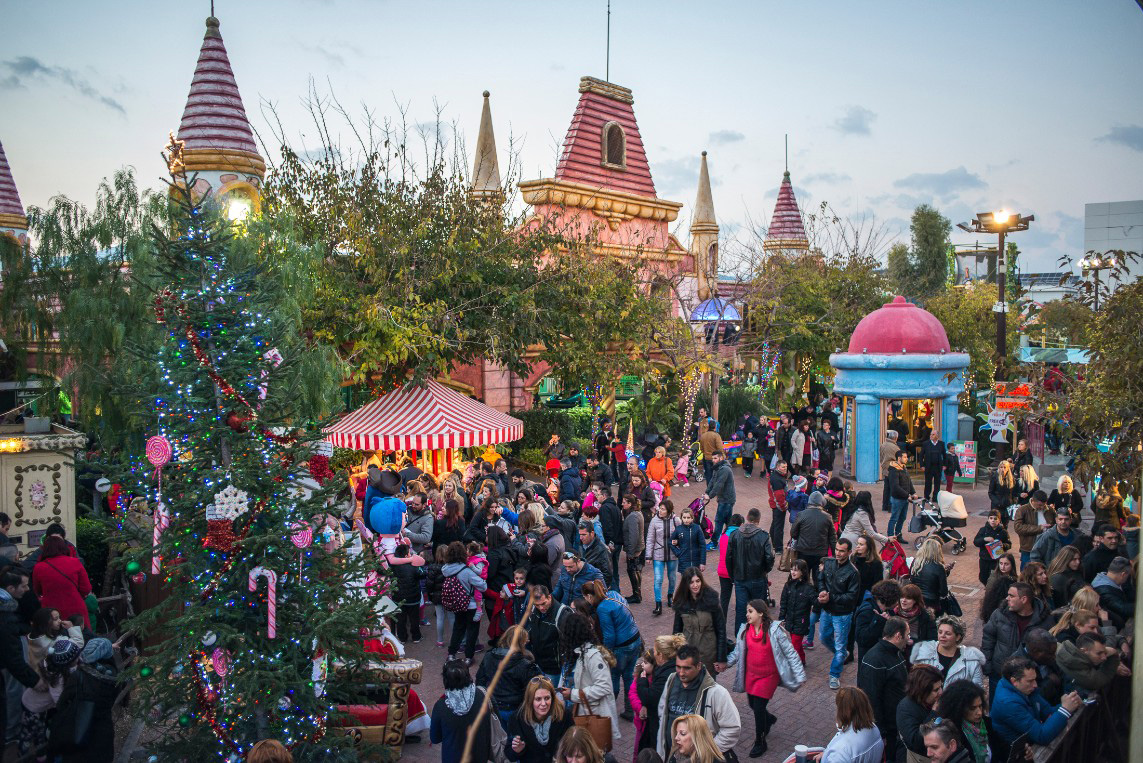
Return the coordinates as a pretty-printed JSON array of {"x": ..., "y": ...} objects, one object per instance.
[
  {"x": 216, "y": 133},
  {"x": 786, "y": 230},
  {"x": 485, "y": 168},
  {"x": 704, "y": 237},
  {"x": 12, "y": 218}
]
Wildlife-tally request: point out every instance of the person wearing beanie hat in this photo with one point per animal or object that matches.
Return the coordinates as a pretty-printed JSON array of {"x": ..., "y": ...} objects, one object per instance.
[
  {"x": 814, "y": 534},
  {"x": 58, "y": 662},
  {"x": 95, "y": 681},
  {"x": 96, "y": 650}
]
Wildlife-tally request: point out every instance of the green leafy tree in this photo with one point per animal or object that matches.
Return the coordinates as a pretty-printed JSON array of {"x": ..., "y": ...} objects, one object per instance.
[
  {"x": 900, "y": 270},
  {"x": 222, "y": 387},
  {"x": 928, "y": 256},
  {"x": 966, "y": 313}
]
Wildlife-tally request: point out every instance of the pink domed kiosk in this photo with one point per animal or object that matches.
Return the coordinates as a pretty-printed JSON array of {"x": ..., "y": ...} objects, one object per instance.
[{"x": 901, "y": 374}]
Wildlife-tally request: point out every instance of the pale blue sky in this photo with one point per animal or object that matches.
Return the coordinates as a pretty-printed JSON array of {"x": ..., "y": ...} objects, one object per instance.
[{"x": 1036, "y": 106}]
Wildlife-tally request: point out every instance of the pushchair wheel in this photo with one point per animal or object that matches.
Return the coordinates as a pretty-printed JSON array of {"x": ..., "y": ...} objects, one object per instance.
[
  {"x": 919, "y": 541},
  {"x": 956, "y": 549}
]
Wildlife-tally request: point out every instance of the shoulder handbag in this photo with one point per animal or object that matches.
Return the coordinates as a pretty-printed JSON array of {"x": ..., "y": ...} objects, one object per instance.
[
  {"x": 599, "y": 726},
  {"x": 786, "y": 563},
  {"x": 951, "y": 606},
  {"x": 498, "y": 738}
]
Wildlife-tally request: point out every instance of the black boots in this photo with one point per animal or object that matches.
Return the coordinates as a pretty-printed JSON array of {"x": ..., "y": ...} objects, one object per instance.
[
  {"x": 634, "y": 598},
  {"x": 658, "y": 609},
  {"x": 759, "y": 748}
]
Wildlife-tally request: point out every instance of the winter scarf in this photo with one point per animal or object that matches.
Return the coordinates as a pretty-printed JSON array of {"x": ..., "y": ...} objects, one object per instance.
[{"x": 460, "y": 700}]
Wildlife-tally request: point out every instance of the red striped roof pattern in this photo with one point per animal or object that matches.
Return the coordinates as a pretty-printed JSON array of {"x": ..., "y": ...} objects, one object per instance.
[
  {"x": 10, "y": 203},
  {"x": 786, "y": 225},
  {"x": 580, "y": 159},
  {"x": 214, "y": 116},
  {"x": 423, "y": 418}
]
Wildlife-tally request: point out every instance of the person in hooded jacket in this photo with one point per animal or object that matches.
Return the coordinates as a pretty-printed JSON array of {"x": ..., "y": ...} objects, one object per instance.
[
  {"x": 634, "y": 545},
  {"x": 465, "y": 628},
  {"x": 749, "y": 559},
  {"x": 949, "y": 655},
  {"x": 620, "y": 634},
  {"x": 796, "y": 604},
  {"x": 661, "y": 551},
  {"x": 1112, "y": 589},
  {"x": 611, "y": 523},
  {"x": 689, "y": 543},
  {"x": 521, "y": 668},
  {"x": 571, "y": 482},
  {"x": 698, "y": 616}
]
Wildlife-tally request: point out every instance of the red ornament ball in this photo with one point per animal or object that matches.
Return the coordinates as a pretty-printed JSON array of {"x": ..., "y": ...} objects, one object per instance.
[
  {"x": 139, "y": 577},
  {"x": 237, "y": 422}
]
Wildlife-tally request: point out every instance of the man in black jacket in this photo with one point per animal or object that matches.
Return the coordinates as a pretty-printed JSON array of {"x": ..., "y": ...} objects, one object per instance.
[
  {"x": 749, "y": 558},
  {"x": 839, "y": 589},
  {"x": 874, "y": 611},
  {"x": 881, "y": 674},
  {"x": 612, "y": 523},
  {"x": 13, "y": 585},
  {"x": 544, "y": 631},
  {"x": 599, "y": 471},
  {"x": 782, "y": 438},
  {"x": 933, "y": 462},
  {"x": 1106, "y": 548},
  {"x": 595, "y": 554}
]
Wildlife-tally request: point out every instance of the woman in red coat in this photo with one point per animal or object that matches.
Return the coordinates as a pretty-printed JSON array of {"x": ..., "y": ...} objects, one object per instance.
[{"x": 61, "y": 581}]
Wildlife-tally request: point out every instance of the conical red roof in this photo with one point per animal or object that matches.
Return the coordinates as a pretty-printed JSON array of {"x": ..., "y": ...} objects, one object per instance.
[
  {"x": 786, "y": 228},
  {"x": 599, "y": 103},
  {"x": 214, "y": 117},
  {"x": 10, "y": 203}
]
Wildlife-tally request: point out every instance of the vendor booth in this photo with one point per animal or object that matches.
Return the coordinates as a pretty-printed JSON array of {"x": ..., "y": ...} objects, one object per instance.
[
  {"x": 37, "y": 480},
  {"x": 428, "y": 423},
  {"x": 899, "y": 373}
]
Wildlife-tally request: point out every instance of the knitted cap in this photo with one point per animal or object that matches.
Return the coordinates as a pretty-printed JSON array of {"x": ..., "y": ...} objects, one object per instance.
[
  {"x": 62, "y": 652},
  {"x": 817, "y": 499}
]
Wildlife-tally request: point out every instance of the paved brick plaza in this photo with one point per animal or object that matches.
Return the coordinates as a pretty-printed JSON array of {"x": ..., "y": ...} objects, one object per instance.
[{"x": 804, "y": 717}]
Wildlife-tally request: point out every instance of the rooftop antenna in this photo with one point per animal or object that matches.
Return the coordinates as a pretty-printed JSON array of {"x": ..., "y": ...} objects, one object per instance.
[
  {"x": 211, "y": 7},
  {"x": 607, "y": 64},
  {"x": 787, "y": 147}
]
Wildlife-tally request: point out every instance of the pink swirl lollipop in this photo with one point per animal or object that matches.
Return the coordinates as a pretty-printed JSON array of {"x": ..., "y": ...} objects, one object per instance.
[
  {"x": 220, "y": 658},
  {"x": 158, "y": 450},
  {"x": 303, "y": 535}
]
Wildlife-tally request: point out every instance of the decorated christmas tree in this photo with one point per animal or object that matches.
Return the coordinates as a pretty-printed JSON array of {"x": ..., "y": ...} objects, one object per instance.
[{"x": 264, "y": 594}]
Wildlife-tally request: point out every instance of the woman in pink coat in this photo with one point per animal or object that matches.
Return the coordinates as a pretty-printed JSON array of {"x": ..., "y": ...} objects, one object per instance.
[{"x": 61, "y": 581}]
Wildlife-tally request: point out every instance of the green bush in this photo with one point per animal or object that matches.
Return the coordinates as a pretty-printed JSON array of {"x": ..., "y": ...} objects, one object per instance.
[
  {"x": 541, "y": 423},
  {"x": 733, "y": 401},
  {"x": 91, "y": 543},
  {"x": 532, "y": 456}
]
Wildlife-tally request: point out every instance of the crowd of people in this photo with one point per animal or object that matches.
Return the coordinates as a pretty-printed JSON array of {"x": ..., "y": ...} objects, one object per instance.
[
  {"x": 581, "y": 674},
  {"x": 51, "y": 658}
]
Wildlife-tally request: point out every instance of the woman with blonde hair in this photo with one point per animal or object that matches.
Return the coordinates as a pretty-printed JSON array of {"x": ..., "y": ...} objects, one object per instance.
[
  {"x": 661, "y": 470},
  {"x": 650, "y": 682},
  {"x": 1028, "y": 483},
  {"x": 1035, "y": 574},
  {"x": 1087, "y": 598},
  {"x": 1065, "y": 576},
  {"x": 930, "y": 575},
  {"x": 1065, "y": 496},
  {"x": 577, "y": 746},
  {"x": 692, "y": 742},
  {"x": 1002, "y": 490},
  {"x": 535, "y": 730}
]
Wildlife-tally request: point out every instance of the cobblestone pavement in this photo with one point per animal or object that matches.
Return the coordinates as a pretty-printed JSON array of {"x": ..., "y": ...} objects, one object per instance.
[{"x": 804, "y": 717}]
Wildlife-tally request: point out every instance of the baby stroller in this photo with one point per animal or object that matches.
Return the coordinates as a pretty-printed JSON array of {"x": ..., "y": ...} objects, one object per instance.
[
  {"x": 682, "y": 466},
  {"x": 940, "y": 520},
  {"x": 698, "y": 508}
]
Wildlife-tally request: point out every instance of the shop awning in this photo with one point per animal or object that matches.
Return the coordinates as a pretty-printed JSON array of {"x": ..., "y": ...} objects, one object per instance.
[{"x": 423, "y": 418}]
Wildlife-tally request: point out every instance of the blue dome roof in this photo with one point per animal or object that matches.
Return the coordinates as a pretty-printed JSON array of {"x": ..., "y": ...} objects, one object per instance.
[{"x": 715, "y": 309}]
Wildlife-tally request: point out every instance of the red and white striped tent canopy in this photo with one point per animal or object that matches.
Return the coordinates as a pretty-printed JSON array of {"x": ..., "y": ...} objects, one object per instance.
[{"x": 423, "y": 418}]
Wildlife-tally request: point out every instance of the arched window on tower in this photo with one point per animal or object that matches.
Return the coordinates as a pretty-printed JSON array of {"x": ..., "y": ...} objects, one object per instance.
[{"x": 614, "y": 146}]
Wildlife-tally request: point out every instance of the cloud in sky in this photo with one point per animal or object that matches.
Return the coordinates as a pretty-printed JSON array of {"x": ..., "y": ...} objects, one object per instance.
[
  {"x": 857, "y": 120},
  {"x": 1125, "y": 135},
  {"x": 17, "y": 72},
  {"x": 826, "y": 178},
  {"x": 722, "y": 137},
  {"x": 942, "y": 185}
]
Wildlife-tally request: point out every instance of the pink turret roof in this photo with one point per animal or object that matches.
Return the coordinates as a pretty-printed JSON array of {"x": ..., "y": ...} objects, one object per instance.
[
  {"x": 599, "y": 103},
  {"x": 10, "y": 203},
  {"x": 786, "y": 228},
  {"x": 214, "y": 117}
]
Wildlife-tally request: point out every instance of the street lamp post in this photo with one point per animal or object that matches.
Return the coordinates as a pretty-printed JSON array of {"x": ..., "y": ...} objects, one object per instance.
[
  {"x": 1001, "y": 223},
  {"x": 1093, "y": 262}
]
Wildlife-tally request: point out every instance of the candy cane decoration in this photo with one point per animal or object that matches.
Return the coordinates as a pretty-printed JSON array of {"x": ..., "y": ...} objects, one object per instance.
[
  {"x": 159, "y": 454},
  {"x": 271, "y": 597}
]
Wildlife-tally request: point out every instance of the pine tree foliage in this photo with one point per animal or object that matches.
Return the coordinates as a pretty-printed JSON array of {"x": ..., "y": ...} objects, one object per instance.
[{"x": 214, "y": 680}]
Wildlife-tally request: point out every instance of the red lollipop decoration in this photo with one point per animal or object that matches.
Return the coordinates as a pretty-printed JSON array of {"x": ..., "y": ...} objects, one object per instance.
[
  {"x": 158, "y": 453},
  {"x": 302, "y": 537}
]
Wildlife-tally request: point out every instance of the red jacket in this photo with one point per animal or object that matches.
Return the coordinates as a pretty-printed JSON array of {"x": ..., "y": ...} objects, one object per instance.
[{"x": 61, "y": 583}]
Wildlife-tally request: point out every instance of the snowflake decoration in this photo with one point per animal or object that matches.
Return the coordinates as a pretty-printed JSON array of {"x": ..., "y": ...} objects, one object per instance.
[{"x": 230, "y": 504}]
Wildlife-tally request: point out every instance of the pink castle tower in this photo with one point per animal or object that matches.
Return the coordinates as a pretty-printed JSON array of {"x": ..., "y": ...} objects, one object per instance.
[
  {"x": 218, "y": 142},
  {"x": 786, "y": 232},
  {"x": 13, "y": 222}
]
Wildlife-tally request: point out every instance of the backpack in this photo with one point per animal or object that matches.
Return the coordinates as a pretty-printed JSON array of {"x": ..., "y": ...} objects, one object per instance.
[{"x": 454, "y": 596}]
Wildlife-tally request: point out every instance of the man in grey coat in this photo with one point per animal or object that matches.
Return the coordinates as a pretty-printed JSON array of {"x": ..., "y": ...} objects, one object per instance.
[
  {"x": 634, "y": 544},
  {"x": 814, "y": 534},
  {"x": 418, "y": 524},
  {"x": 1051, "y": 541},
  {"x": 720, "y": 487},
  {"x": 1004, "y": 631}
]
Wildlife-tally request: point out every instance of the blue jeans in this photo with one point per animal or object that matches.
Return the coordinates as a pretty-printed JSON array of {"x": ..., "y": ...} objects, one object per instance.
[
  {"x": 744, "y": 592},
  {"x": 814, "y": 617},
  {"x": 835, "y": 634},
  {"x": 624, "y": 670},
  {"x": 721, "y": 520},
  {"x": 897, "y": 511},
  {"x": 707, "y": 468},
  {"x": 1025, "y": 557},
  {"x": 671, "y": 567}
]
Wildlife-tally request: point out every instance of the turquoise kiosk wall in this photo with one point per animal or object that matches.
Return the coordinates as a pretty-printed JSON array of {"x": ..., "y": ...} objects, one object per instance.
[{"x": 896, "y": 352}]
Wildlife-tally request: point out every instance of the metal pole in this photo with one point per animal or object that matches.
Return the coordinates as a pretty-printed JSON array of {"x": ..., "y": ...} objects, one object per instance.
[
  {"x": 1096, "y": 271},
  {"x": 1001, "y": 315},
  {"x": 607, "y": 65}
]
